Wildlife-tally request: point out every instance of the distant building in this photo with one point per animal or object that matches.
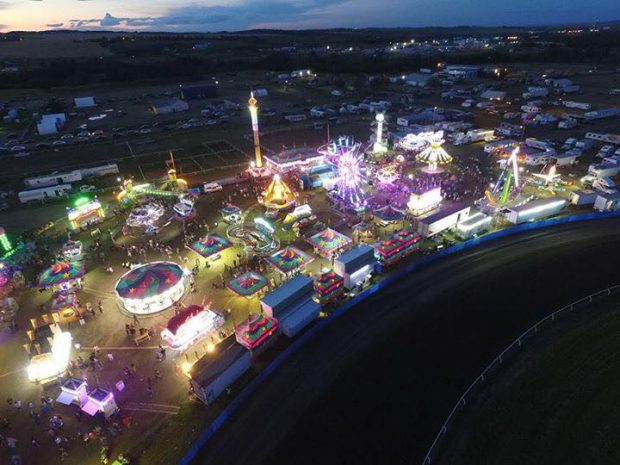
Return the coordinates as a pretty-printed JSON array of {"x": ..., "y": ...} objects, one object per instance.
[
  {"x": 174, "y": 105},
  {"x": 51, "y": 123},
  {"x": 418, "y": 79},
  {"x": 197, "y": 91},
  {"x": 463, "y": 71},
  {"x": 84, "y": 102}
]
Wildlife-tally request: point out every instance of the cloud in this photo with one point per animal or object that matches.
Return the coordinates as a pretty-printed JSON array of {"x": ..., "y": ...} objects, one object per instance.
[
  {"x": 55, "y": 25},
  {"x": 4, "y": 5},
  {"x": 243, "y": 15}
]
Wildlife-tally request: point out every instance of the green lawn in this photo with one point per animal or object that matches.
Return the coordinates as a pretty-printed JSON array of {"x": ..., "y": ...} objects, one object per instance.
[{"x": 558, "y": 402}]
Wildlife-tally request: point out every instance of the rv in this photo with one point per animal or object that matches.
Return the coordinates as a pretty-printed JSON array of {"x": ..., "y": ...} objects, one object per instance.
[{"x": 44, "y": 193}]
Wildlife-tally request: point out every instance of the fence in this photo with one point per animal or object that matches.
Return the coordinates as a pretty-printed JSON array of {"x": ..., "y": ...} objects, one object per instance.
[
  {"x": 512, "y": 347},
  {"x": 245, "y": 393}
]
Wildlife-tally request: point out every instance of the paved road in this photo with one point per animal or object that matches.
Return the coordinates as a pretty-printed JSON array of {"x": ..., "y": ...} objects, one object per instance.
[{"x": 375, "y": 385}]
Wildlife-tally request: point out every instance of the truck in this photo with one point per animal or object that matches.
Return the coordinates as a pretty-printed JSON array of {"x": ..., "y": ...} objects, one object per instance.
[{"x": 44, "y": 193}]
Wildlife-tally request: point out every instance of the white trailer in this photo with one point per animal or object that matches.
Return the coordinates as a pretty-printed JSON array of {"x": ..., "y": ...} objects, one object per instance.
[
  {"x": 53, "y": 179},
  {"x": 582, "y": 198},
  {"x": 607, "y": 202},
  {"x": 599, "y": 114},
  {"x": 536, "y": 209},
  {"x": 443, "y": 220},
  {"x": 44, "y": 193},
  {"x": 476, "y": 223}
]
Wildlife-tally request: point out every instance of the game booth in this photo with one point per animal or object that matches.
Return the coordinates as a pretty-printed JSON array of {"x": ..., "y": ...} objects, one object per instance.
[
  {"x": 400, "y": 244},
  {"x": 85, "y": 213},
  {"x": 248, "y": 284},
  {"x": 209, "y": 245},
  {"x": 73, "y": 391},
  {"x": 100, "y": 401},
  {"x": 256, "y": 333},
  {"x": 329, "y": 286},
  {"x": 388, "y": 215},
  {"x": 151, "y": 288},
  {"x": 190, "y": 325},
  {"x": 63, "y": 277},
  {"x": 289, "y": 260},
  {"x": 72, "y": 250},
  {"x": 329, "y": 243},
  {"x": 65, "y": 305}
]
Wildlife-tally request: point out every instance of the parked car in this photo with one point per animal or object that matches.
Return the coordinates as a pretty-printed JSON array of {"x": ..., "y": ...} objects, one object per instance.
[{"x": 212, "y": 187}]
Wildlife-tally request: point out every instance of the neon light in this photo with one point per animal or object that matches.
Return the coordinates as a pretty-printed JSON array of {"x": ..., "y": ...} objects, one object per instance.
[{"x": 4, "y": 241}]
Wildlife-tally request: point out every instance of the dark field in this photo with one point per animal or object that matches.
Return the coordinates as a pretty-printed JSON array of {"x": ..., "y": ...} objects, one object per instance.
[{"x": 558, "y": 403}]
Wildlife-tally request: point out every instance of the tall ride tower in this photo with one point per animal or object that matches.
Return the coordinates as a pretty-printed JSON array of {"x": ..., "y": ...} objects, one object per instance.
[{"x": 254, "y": 115}]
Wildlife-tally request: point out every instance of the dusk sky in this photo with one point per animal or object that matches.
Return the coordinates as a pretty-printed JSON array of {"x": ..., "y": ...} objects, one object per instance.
[{"x": 219, "y": 15}]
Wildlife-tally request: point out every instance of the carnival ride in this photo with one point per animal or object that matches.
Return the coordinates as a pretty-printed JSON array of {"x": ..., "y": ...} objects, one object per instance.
[
  {"x": 351, "y": 175},
  {"x": 151, "y": 288},
  {"x": 147, "y": 218},
  {"x": 259, "y": 239},
  {"x": 434, "y": 155},
  {"x": 507, "y": 184},
  {"x": 278, "y": 195}
]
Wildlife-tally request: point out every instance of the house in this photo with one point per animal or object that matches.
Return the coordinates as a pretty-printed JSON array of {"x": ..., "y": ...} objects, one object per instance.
[
  {"x": 174, "y": 105},
  {"x": 51, "y": 123},
  {"x": 84, "y": 102}
]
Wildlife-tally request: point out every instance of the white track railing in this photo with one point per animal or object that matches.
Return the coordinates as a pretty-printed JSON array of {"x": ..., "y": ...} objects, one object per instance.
[{"x": 497, "y": 361}]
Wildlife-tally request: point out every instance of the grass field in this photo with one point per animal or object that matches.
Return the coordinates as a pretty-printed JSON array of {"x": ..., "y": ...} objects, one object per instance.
[{"x": 557, "y": 403}]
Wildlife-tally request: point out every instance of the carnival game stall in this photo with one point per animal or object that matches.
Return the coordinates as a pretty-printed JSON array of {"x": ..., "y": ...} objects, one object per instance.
[
  {"x": 289, "y": 260},
  {"x": 151, "y": 288},
  {"x": 190, "y": 325},
  {"x": 329, "y": 286},
  {"x": 397, "y": 246},
  {"x": 388, "y": 215},
  {"x": 329, "y": 243},
  {"x": 65, "y": 305},
  {"x": 63, "y": 276},
  {"x": 100, "y": 401},
  {"x": 72, "y": 250},
  {"x": 363, "y": 230},
  {"x": 256, "y": 333},
  {"x": 85, "y": 213},
  {"x": 209, "y": 244},
  {"x": 248, "y": 284},
  {"x": 73, "y": 391}
]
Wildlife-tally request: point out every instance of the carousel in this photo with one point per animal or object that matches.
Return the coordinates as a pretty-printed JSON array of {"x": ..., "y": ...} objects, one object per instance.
[{"x": 151, "y": 288}]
